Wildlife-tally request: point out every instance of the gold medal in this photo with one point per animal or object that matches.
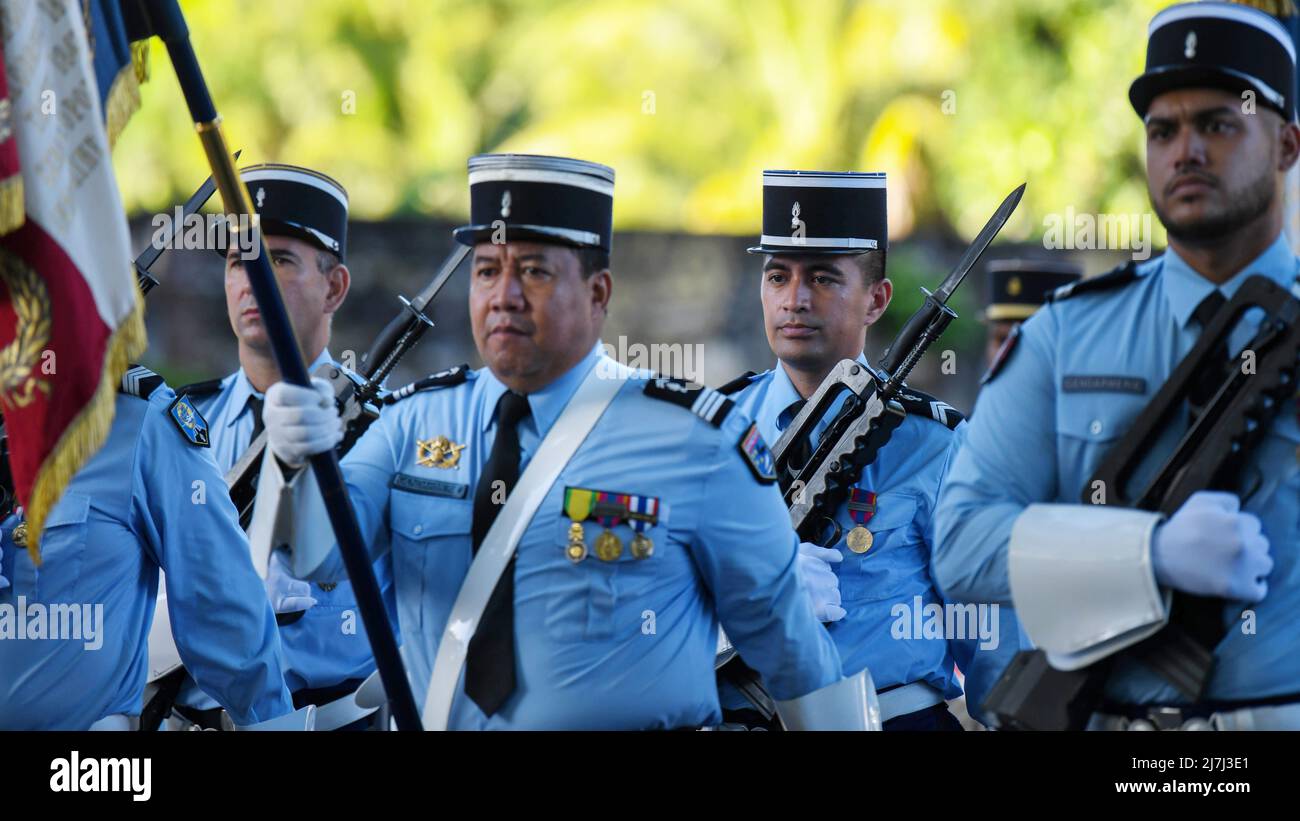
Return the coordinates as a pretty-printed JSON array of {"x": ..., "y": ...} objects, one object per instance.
[
  {"x": 577, "y": 549},
  {"x": 608, "y": 546},
  {"x": 860, "y": 539},
  {"x": 642, "y": 547},
  {"x": 20, "y": 535}
]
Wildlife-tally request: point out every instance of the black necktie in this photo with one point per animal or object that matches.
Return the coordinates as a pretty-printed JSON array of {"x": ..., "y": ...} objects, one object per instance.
[
  {"x": 800, "y": 450},
  {"x": 490, "y": 659},
  {"x": 255, "y": 405},
  {"x": 1210, "y": 378}
]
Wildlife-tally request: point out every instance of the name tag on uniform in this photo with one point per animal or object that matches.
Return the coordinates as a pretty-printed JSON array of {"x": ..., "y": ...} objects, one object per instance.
[
  {"x": 1103, "y": 384},
  {"x": 428, "y": 487}
]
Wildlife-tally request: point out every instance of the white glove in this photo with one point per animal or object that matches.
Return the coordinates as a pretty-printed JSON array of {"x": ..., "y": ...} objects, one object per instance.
[
  {"x": 301, "y": 422},
  {"x": 287, "y": 594},
  {"x": 1210, "y": 548},
  {"x": 819, "y": 581}
]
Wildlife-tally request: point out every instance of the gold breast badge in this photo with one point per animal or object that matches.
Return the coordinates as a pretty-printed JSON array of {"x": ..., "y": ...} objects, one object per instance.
[{"x": 438, "y": 452}]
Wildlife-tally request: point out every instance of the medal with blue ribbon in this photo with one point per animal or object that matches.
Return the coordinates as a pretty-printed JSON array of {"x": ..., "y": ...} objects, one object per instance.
[{"x": 643, "y": 514}]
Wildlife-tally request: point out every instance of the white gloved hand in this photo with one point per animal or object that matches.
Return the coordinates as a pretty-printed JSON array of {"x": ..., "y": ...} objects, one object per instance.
[
  {"x": 301, "y": 422},
  {"x": 1210, "y": 548},
  {"x": 820, "y": 584},
  {"x": 287, "y": 594}
]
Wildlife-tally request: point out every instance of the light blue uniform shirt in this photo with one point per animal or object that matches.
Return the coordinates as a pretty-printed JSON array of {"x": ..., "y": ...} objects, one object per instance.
[
  {"x": 1031, "y": 441},
  {"x": 328, "y": 644},
  {"x": 128, "y": 512},
  {"x": 625, "y": 644},
  {"x": 906, "y": 477}
]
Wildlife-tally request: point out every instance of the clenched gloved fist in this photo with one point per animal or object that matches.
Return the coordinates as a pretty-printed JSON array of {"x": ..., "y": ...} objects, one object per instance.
[
  {"x": 1210, "y": 548},
  {"x": 301, "y": 422},
  {"x": 819, "y": 581}
]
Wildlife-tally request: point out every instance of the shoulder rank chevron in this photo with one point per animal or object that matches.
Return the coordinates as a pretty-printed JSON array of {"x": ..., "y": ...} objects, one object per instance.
[
  {"x": 923, "y": 404},
  {"x": 142, "y": 382},
  {"x": 706, "y": 403},
  {"x": 1116, "y": 278},
  {"x": 441, "y": 379},
  {"x": 139, "y": 381}
]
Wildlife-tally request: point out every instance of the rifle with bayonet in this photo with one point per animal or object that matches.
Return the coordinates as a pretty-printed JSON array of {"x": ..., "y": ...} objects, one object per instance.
[
  {"x": 869, "y": 415},
  {"x": 863, "y": 425},
  {"x": 356, "y": 394},
  {"x": 1210, "y": 454}
]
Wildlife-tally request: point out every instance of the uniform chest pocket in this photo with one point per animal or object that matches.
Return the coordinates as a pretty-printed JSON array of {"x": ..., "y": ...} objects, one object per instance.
[
  {"x": 1090, "y": 425},
  {"x": 431, "y": 550},
  {"x": 63, "y": 546},
  {"x": 896, "y": 555},
  {"x": 597, "y": 592}
]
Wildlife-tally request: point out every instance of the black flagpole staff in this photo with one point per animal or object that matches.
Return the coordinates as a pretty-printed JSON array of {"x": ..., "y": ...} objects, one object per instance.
[{"x": 164, "y": 19}]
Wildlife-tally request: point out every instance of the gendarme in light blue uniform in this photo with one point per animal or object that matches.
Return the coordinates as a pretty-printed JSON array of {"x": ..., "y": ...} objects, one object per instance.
[
  {"x": 624, "y": 644},
  {"x": 328, "y": 644},
  {"x": 906, "y": 476},
  {"x": 131, "y": 510},
  {"x": 1031, "y": 440}
]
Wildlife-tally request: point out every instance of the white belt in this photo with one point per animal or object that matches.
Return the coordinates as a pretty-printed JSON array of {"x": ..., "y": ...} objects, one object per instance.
[
  {"x": 118, "y": 722},
  {"x": 1272, "y": 717},
  {"x": 345, "y": 710},
  {"x": 907, "y": 699}
]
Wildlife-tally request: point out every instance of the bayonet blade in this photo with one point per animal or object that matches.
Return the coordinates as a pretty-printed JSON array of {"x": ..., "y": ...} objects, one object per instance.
[
  {"x": 979, "y": 245},
  {"x": 449, "y": 266}
]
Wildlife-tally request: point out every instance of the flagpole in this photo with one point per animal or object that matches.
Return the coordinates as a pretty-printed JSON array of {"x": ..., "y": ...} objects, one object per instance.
[{"x": 168, "y": 23}]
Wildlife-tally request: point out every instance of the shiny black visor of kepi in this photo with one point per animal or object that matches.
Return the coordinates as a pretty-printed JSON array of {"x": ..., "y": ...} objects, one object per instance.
[
  {"x": 1018, "y": 287},
  {"x": 301, "y": 203},
  {"x": 823, "y": 212},
  {"x": 1218, "y": 45},
  {"x": 527, "y": 196}
]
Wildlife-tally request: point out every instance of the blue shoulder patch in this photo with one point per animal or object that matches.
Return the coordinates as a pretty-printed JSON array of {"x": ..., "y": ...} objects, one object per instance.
[
  {"x": 757, "y": 455},
  {"x": 191, "y": 423}
]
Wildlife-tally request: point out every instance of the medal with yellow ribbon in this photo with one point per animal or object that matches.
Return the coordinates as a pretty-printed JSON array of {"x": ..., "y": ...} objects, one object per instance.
[
  {"x": 862, "y": 506},
  {"x": 577, "y": 506}
]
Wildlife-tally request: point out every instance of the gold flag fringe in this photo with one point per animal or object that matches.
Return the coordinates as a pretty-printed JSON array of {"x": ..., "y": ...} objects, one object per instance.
[
  {"x": 123, "y": 98},
  {"x": 89, "y": 428},
  {"x": 13, "y": 212}
]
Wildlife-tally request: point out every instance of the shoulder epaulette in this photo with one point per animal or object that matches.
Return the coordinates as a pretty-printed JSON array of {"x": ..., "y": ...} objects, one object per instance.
[
  {"x": 920, "y": 403},
  {"x": 738, "y": 384},
  {"x": 142, "y": 382},
  {"x": 441, "y": 379},
  {"x": 1116, "y": 278},
  {"x": 198, "y": 390},
  {"x": 706, "y": 403},
  {"x": 139, "y": 381}
]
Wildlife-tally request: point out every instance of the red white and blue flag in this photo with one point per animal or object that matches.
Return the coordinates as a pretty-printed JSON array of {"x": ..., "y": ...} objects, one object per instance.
[{"x": 70, "y": 314}]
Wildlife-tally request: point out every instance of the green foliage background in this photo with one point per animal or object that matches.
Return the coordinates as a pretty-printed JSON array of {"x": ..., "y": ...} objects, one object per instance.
[{"x": 959, "y": 100}]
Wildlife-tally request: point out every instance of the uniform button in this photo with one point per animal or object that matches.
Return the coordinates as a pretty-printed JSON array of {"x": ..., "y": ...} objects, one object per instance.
[
  {"x": 419, "y": 528},
  {"x": 1095, "y": 427}
]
